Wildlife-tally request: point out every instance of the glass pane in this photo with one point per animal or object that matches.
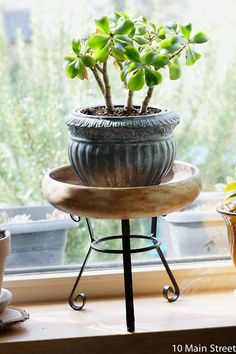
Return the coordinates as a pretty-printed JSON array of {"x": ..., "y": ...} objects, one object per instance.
[{"x": 36, "y": 96}]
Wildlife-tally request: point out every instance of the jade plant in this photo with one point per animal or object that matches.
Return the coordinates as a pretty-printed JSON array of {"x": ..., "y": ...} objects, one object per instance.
[{"x": 139, "y": 49}]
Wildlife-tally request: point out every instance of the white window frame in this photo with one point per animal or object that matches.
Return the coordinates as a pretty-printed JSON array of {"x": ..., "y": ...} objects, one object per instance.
[{"x": 149, "y": 280}]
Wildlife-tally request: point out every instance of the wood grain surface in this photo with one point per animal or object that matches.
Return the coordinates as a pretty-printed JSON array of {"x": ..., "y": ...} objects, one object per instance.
[
  {"x": 64, "y": 190},
  {"x": 100, "y": 328}
]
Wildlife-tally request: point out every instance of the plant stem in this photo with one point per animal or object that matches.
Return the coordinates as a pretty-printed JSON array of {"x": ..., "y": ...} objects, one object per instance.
[
  {"x": 99, "y": 81},
  {"x": 129, "y": 103},
  {"x": 146, "y": 100},
  {"x": 99, "y": 68},
  {"x": 179, "y": 51},
  {"x": 109, "y": 105},
  {"x": 148, "y": 97}
]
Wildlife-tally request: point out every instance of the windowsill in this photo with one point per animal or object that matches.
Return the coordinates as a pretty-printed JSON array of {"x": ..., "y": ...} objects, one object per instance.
[{"x": 202, "y": 318}]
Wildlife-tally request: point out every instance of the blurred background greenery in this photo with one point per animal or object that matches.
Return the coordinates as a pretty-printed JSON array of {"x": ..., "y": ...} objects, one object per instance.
[{"x": 36, "y": 95}]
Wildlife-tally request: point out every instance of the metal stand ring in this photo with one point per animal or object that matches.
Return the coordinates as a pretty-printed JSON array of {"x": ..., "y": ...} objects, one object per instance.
[{"x": 155, "y": 243}]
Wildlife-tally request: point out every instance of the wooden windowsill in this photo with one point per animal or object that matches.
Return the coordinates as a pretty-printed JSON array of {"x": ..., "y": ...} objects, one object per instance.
[{"x": 100, "y": 327}]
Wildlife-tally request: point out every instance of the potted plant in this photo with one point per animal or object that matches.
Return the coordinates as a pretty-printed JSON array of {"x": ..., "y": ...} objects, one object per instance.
[
  {"x": 38, "y": 234},
  {"x": 228, "y": 211},
  {"x": 127, "y": 145},
  {"x": 198, "y": 230},
  {"x": 5, "y": 246}
]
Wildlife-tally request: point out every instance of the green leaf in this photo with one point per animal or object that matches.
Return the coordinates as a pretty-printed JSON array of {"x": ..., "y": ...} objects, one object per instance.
[
  {"x": 170, "y": 45},
  {"x": 161, "y": 33},
  {"x": 124, "y": 73},
  {"x": 125, "y": 15},
  {"x": 122, "y": 37},
  {"x": 152, "y": 77},
  {"x": 72, "y": 69},
  {"x": 76, "y": 46},
  {"x": 149, "y": 57},
  {"x": 136, "y": 82},
  {"x": 132, "y": 54},
  {"x": 121, "y": 41},
  {"x": 98, "y": 41},
  {"x": 141, "y": 30},
  {"x": 186, "y": 30},
  {"x": 229, "y": 197},
  {"x": 125, "y": 27},
  {"x": 175, "y": 70},
  {"x": 70, "y": 58},
  {"x": 172, "y": 25},
  {"x": 160, "y": 61},
  {"x": 103, "y": 54},
  {"x": 141, "y": 19},
  {"x": 118, "y": 54},
  {"x": 132, "y": 33},
  {"x": 168, "y": 42},
  {"x": 120, "y": 45},
  {"x": 191, "y": 56},
  {"x": 81, "y": 69},
  {"x": 200, "y": 37},
  {"x": 88, "y": 61},
  {"x": 103, "y": 24},
  {"x": 132, "y": 67},
  {"x": 152, "y": 25},
  {"x": 230, "y": 187},
  {"x": 117, "y": 14},
  {"x": 140, "y": 39}
]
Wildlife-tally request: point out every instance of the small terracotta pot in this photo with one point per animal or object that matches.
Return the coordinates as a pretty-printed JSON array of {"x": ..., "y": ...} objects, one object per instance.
[
  {"x": 5, "y": 248},
  {"x": 230, "y": 220}
]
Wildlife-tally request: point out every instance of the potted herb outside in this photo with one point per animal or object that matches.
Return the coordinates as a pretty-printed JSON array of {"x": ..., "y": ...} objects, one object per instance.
[
  {"x": 127, "y": 145},
  {"x": 198, "y": 230},
  {"x": 228, "y": 211},
  {"x": 5, "y": 247},
  {"x": 38, "y": 234}
]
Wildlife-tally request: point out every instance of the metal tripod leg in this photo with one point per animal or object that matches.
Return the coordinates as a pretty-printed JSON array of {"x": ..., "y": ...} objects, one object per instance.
[
  {"x": 129, "y": 301},
  {"x": 74, "y": 298},
  {"x": 169, "y": 292}
]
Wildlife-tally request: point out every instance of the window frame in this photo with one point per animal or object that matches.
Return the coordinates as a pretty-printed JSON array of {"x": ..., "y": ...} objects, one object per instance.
[{"x": 149, "y": 280}]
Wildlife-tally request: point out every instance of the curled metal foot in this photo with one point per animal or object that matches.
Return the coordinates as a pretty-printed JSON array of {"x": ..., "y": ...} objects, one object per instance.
[
  {"x": 74, "y": 299},
  {"x": 75, "y": 218},
  {"x": 73, "y": 302},
  {"x": 170, "y": 294}
]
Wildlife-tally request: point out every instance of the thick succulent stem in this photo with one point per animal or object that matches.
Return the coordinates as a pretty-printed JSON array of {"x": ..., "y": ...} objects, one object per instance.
[
  {"x": 129, "y": 103},
  {"x": 146, "y": 100},
  {"x": 109, "y": 105},
  {"x": 99, "y": 81},
  {"x": 97, "y": 66},
  {"x": 148, "y": 96}
]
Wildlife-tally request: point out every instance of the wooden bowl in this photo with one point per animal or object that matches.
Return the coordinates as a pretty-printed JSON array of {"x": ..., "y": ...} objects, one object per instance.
[{"x": 65, "y": 191}]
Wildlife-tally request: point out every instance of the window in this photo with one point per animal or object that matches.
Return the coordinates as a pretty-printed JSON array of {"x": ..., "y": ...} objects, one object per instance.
[{"x": 36, "y": 96}]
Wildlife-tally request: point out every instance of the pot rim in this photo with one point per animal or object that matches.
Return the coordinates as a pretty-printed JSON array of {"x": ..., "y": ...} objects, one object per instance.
[
  {"x": 7, "y": 234},
  {"x": 163, "y": 111},
  {"x": 220, "y": 209},
  {"x": 166, "y": 117},
  {"x": 5, "y": 245}
]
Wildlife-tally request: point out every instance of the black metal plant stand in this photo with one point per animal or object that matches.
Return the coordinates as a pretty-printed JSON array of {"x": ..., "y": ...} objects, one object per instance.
[{"x": 171, "y": 293}]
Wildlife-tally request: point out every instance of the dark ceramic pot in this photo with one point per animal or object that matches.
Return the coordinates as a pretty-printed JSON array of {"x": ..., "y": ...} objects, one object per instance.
[{"x": 122, "y": 151}]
